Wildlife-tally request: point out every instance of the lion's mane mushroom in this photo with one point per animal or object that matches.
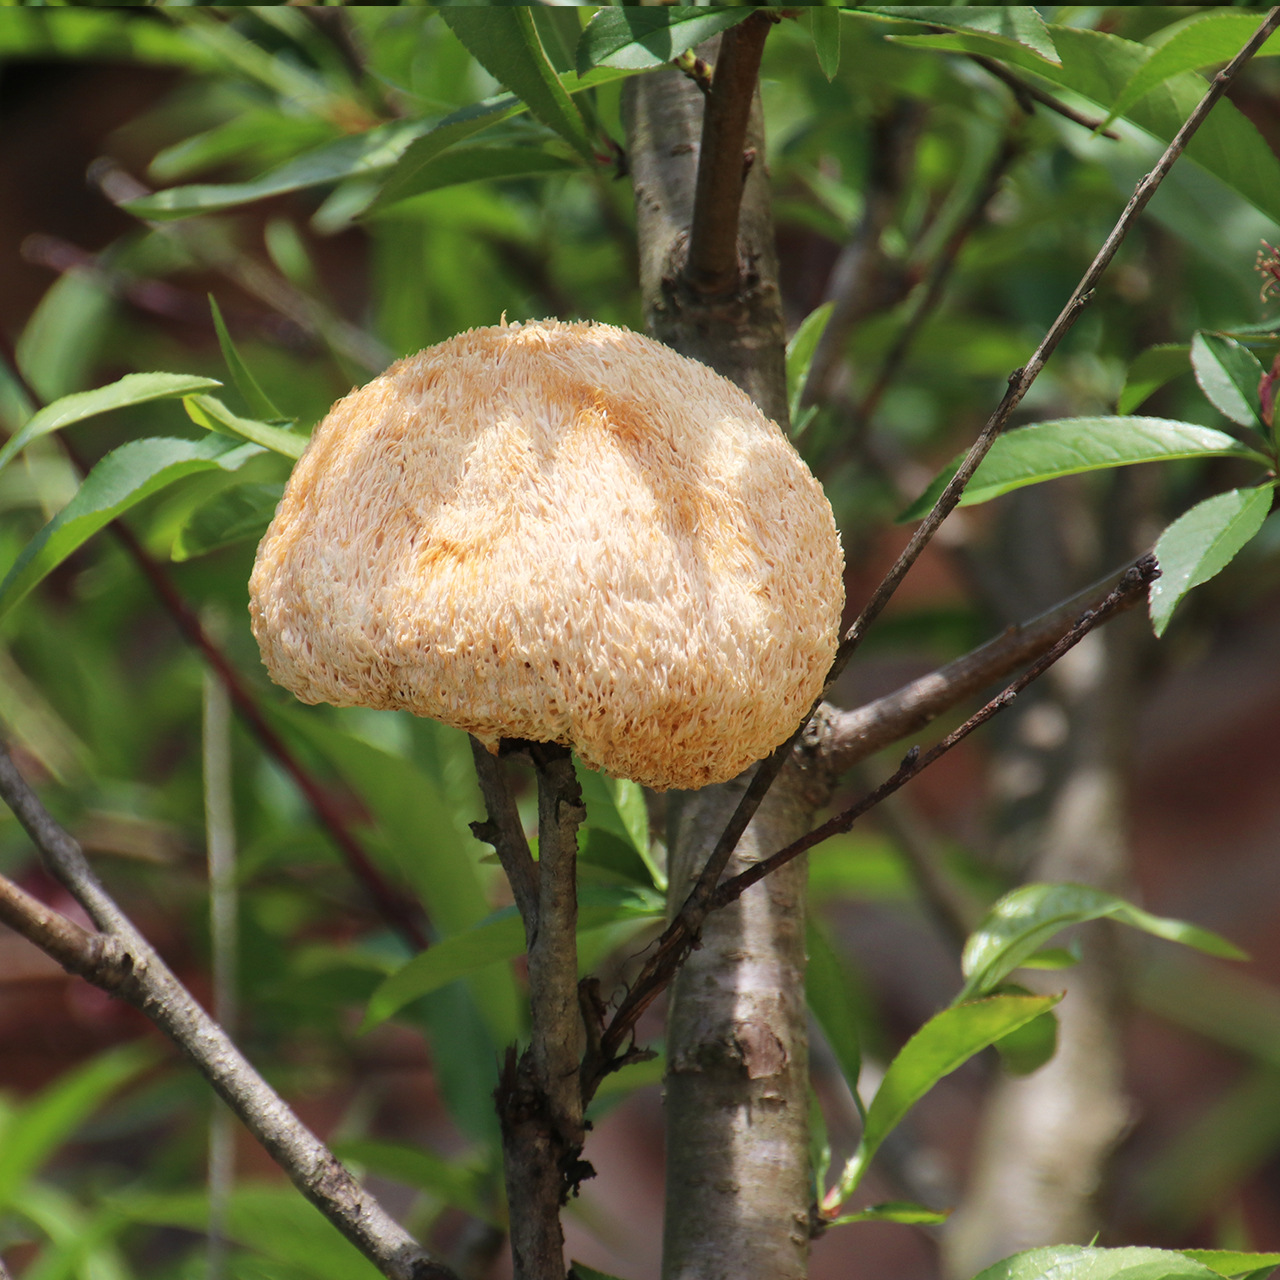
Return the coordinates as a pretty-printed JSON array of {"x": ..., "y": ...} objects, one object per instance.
[{"x": 561, "y": 533}]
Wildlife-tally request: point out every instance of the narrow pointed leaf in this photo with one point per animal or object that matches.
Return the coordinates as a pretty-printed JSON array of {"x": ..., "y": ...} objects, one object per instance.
[
  {"x": 1076, "y": 1262},
  {"x": 895, "y": 1211},
  {"x": 121, "y": 480},
  {"x": 211, "y": 414},
  {"x": 1228, "y": 374},
  {"x": 448, "y": 1180},
  {"x": 133, "y": 388},
  {"x": 945, "y": 1042},
  {"x": 804, "y": 342},
  {"x": 825, "y": 25},
  {"x": 1152, "y": 369},
  {"x": 480, "y": 163},
  {"x": 1007, "y": 24},
  {"x": 1200, "y": 544},
  {"x": 1069, "y": 446},
  {"x": 1204, "y": 40},
  {"x": 505, "y": 42},
  {"x": 257, "y": 399},
  {"x": 827, "y": 990},
  {"x": 1022, "y": 921},
  {"x": 617, "y": 806},
  {"x": 643, "y": 37},
  {"x": 1229, "y": 1262},
  {"x": 230, "y": 516}
]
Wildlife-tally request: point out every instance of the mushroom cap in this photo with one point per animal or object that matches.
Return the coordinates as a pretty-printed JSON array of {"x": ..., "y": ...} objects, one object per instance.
[{"x": 560, "y": 533}]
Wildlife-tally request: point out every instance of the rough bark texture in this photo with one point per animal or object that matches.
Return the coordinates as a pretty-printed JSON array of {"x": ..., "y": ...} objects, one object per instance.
[{"x": 738, "y": 1182}]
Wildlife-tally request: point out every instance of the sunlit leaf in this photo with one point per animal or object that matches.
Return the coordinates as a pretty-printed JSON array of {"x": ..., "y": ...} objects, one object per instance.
[
  {"x": 1069, "y": 446},
  {"x": 639, "y": 38},
  {"x": 1228, "y": 374},
  {"x": 1077, "y": 1262},
  {"x": 1200, "y": 544},
  {"x": 617, "y": 805},
  {"x": 1023, "y": 920},
  {"x": 1230, "y": 1262},
  {"x": 120, "y": 481},
  {"x": 804, "y": 342},
  {"x": 1006, "y": 24},
  {"x": 211, "y": 414},
  {"x": 257, "y": 399},
  {"x": 133, "y": 388},
  {"x": 895, "y": 1211}
]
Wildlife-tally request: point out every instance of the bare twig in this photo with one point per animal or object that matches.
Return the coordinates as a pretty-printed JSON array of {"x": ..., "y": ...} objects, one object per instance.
[
  {"x": 399, "y": 914},
  {"x": 1134, "y": 583},
  {"x": 503, "y": 830},
  {"x": 121, "y": 961},
  {"x": 1028, "y": 94},
  {"x": 851, "y": 736},
  {"x": 712, "y": 265},
  {"x": 683, "y": 931}
]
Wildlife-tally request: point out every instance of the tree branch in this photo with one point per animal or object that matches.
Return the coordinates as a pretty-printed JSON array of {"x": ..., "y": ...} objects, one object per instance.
[
  {"x": 1029, "y": 94},
  {"x": 504, "y": 831},
  {"x": 1129, "y": 589},
  {"x": 121, "y": 961},
  {"x": 712, "y": 265},
  {"x": 682, "y": 933}
]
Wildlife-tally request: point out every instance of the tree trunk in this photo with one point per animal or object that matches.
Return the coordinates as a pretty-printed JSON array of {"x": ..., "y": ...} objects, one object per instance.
[{"x": 738, "y": 1177}]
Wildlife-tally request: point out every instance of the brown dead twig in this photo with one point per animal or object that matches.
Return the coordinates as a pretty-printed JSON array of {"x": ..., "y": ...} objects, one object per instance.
[
  {"x": 119, "y": 960},
  {"x": 682, "y": 934}
]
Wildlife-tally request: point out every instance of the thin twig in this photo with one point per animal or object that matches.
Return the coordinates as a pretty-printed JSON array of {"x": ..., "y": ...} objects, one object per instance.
[
  {"x": 121, "y": 961},
  {"x": 1027, "y": 94},
  {"x": 504, "y": 831},
  {"x": 712, "y": 265},
  {"x": 399, "y": 914},
  {"x": 1126, "y": 592},
  {"x": 683, "y": 931}
]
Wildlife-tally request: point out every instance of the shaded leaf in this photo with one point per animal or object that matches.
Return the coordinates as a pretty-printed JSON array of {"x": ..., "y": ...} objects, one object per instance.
[
  {"x": 580, "y": 1271},
  {"x": 120, "y": 481},
  {"x": 804, "y": 342},
  {"x": 257, "y": 399},
  {"x": 1229, "y": 1262},
  {"x": 1069, "y": 446},
  {"x": 1228, "y": 374},
  {"x": 231, "y": 516},
  {"x": 133, "y": 388},
  {"x": 617, "y": 805},
  {"x": 825, "y": 25},
  {"x": 504, "y": 41},
  {"x": 1152, "y": 369},
  {"x": 948, "y": 1040},
  {"x": 1200, "y": 544},
  {"x": 1077, "y": 1262},
  {"x": 448, "y": 1180},
  {"x": 100, "y": 35},
  {"x": 499, "y": 938},
  {"x": 477, "y": 164},
  {"x": 643, "y": 37},
  {"x": 1006, "y": 24},
  {"x": 831, "y": 1002},
  {"x": 371, "y": 152},
  {"x": 211, "y": 414},
  {"x": 1030, "y": 1046},
  {"x": 1202, "y": 41},
  {"x": 1024, "y": 919}
]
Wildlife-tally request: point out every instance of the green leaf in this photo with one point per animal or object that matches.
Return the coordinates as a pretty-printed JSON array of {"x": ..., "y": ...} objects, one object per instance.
[
  {"x": 1228, "y": 374},
  {"x": 1069, "y": 446},
  {"x": 505, "y": 43},
  {"x": 499, "y": 938},
  {"x": 37, "y": 1128},
  {"x": 257, "y": 399},
  {"x": 1202, "y": 41},
  {"x": 617, "y": 806},
  {"x": 824, "y": 23},
  {"x": 827, "y": 990},
  {"x": 1201, "y": 543},
  {"x": 1053, "y": 958},
  {"x": 580, "y": 1271},
  {"x": 1023, "y": 920},
  {"x": 895, "y": 1211},
  {"x": 371, "y": 152},
  {"x": 233, "y": 515},
  {"x": 1005, "y": 24},
  {"x": 947, "y": 1041},
  {"x": 1229, "y": 1262},
  {"x": 133, "y": 388},
  {"x": 478, "y": 164},
  {"x": 1152, "y": 369},
  {"x": 451, "y": 1181},
  {"x": 213, "y": 415},
  {"x": 637, "y": 39},
  {"x": 1031, "y": 1045},
  {"x": 120, "y": 481},
  {"x": 804, "y": 342},
  {"x": 98, "y": 35},
  {"x": 1097, "y": 65},
  {"x": 1076, "y": 1262}
]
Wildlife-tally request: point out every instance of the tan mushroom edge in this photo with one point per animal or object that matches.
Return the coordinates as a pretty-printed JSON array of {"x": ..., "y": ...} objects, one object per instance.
[{"x": 561, "y": 533}]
